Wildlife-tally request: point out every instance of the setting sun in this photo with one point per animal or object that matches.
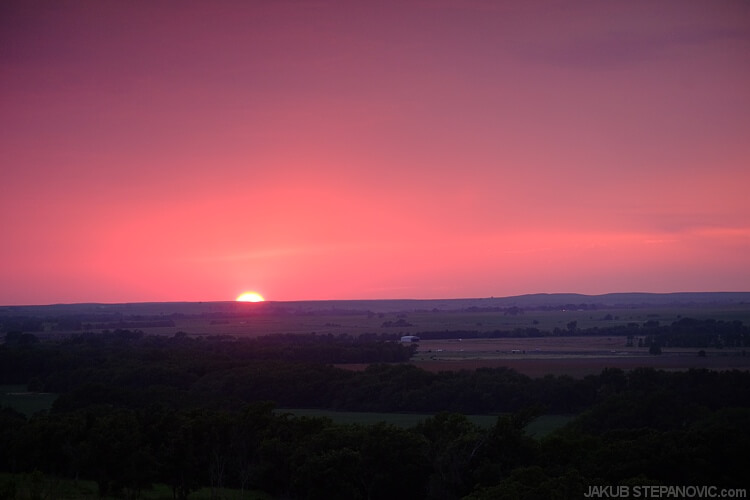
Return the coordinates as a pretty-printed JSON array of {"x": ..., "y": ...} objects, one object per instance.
[{"x": 250, "y": 297}]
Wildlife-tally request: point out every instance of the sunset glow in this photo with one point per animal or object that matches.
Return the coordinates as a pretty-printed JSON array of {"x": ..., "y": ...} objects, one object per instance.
[
  {"x": 363, "y": 150},
  {"x": 250, "y": 297}
]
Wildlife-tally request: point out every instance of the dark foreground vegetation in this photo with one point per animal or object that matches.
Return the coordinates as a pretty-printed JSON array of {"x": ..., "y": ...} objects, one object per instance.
[{"x": 135, "y": 410}]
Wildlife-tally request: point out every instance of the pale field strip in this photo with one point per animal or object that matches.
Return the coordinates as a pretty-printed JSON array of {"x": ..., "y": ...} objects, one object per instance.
[{"x": 550, "y": 346}]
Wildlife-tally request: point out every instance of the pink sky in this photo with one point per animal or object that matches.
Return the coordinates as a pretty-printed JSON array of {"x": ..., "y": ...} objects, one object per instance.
[{"x": 170, "y": 151}]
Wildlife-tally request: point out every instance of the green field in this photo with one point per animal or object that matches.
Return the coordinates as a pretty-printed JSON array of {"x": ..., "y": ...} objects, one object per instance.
[
  {"x": 540, "y": 427},
  {"x": 28, "y": 403},
  {"x": 36, "y": 486}
]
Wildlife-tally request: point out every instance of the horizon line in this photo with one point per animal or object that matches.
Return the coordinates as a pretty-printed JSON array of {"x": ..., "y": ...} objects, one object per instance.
[{"x": 271, "y": 301}]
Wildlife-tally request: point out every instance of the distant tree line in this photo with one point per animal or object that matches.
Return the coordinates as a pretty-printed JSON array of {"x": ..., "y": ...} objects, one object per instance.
[
  {"x": 82, "y": 322},
  {"x": 685, "y": 332},
  {"x": 293, "y": 370}
]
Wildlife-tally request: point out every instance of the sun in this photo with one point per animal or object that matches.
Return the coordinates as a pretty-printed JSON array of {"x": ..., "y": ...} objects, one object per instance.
[{"x": 250, "y": 297}]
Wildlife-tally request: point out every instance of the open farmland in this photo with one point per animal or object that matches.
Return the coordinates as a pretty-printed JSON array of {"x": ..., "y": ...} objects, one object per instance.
[
  {"x": 255, "y": 320},
  {"x": 356, "y": 317},
  {"x": 575, "y": 356},
  {"x": 534, "y": 334}
]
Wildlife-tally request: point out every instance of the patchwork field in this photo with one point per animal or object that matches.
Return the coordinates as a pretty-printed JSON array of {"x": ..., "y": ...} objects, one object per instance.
[
  {"x": 454, "y": 318},
  {"x": 539, "y": 427},
  {"x": 575, "y": 356},
  {"x": 544, "y": 312}
]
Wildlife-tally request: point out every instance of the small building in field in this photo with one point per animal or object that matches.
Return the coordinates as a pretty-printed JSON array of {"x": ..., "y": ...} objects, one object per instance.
[{"x": 410, "y": 338}]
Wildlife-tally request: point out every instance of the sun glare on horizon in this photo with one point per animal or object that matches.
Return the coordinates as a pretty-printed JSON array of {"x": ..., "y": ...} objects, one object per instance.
[{"x": 250, "y": 297}]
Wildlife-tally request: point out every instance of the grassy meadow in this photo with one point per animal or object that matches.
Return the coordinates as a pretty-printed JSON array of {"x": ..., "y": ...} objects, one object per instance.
[
  {"x": 38, "y": 486},
  {"x": 23, "y": 401},
  {"x": 540, "y": 427}
]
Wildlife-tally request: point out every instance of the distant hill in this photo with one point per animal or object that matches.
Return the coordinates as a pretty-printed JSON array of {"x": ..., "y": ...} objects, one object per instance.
[
  {"x": 532, "y": 301},
  {"x": 628, "y": 299}
]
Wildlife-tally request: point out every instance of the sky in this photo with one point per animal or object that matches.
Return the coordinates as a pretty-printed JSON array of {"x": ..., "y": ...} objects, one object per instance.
[{"x": 326, "y": 149}]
